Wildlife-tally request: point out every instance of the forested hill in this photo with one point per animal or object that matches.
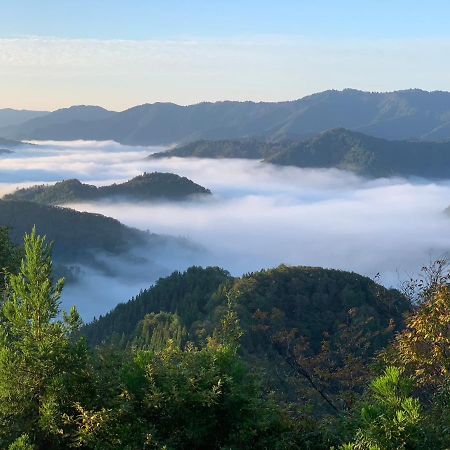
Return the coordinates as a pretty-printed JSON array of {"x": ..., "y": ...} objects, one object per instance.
[
  {"x": 406, "y": 114},
  {"x": 314, "y": 299},
  {"x": 149, "y": 186},
  {"x": 288, "y": 358},
  {"x": 78, "y": 236},
  {"x": 193, "y": 294},
  {"x": 38, "y": 126},
  {"x": 337, "y": 148},
  {"x": 305, "y": 306},
  {"x": 243, "y": 148}
]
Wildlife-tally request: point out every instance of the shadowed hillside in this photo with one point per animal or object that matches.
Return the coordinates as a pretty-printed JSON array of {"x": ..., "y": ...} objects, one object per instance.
[
  {"x": 337, "y": 148},
  {"x": 78, "y": 236},
  {"x": 149, "y": 186},
  {"x": 301, "y": 307},
  {"x": 408, "y": 114}
]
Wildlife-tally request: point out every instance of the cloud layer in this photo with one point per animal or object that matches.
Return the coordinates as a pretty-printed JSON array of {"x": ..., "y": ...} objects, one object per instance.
[
  {"x": 47, "y": 73},
  {"x": 259, "y": 216}
]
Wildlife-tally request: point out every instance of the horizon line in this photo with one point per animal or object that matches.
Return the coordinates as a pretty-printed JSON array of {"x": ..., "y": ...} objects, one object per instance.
[{"x": 212, "y": 102}]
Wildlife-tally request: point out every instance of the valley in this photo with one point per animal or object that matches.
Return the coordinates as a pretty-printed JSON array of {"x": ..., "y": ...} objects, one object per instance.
[{"x": 224, "y": 225}]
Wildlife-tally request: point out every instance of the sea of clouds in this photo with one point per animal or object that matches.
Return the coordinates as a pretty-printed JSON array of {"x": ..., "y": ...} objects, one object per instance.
[{"x": 259, "y": 215}]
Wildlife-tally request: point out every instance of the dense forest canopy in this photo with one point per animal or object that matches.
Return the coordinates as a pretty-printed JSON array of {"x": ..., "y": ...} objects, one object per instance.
[
  {"x": 243, "y": 148},
  {"x": 76, "y": 234},
  {"x": 149, "y": 186},
  {"x": 310, "y": 306},
  {"x": 337, "y": 148},
  {"x": 205, "y": 360}
]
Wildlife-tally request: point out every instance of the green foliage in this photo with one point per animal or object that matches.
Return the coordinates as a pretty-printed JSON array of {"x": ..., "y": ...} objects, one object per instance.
[
  {"x": 40, "y": 367},
  {"x": 77, "y": 236},
  {"x": 156, "y": 329},
  {"x": 315, "y": 332},
  {"x": 180, "y": 373},
  {"x": 439, "y": 415},
  {"x": 22, "y": 443},
  {"x": 339, "y": 148},
  {"x": 192, "y": 295},
  {"x": 334, "y": 321},
  {"x": 243, "y": 148},
  {"x": 148, "y": 186},
  {"x": 181, "y": 399},
  {"x": 422, "y": 352},
  {"x": 391, "y": 419},
  {"x": 423, "y": 348},
  {"x": 10, "y": 255}
]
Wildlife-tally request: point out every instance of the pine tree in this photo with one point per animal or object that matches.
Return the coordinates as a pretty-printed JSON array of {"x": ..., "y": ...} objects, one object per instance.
[
  {"x": 391, "y": 419},
  {"x": 40, "y": 366}
]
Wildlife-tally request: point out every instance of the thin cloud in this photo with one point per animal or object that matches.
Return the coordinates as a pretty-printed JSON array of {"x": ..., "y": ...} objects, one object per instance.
[{"x": 121, "y": 73}]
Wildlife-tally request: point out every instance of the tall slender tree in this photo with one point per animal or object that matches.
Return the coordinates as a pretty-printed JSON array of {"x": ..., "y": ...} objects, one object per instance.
[{"x": 40, "y": 366}]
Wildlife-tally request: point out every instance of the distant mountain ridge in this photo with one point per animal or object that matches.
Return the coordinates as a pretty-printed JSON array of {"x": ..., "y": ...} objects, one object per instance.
[
  {"x": 11, "y": 117},
  {"x": 337, "y": 148},
  {"x": 149, "y": 186},
  {"x": 407, "y": 114},
  {"x": 48, "y": 126},
  {"x": 9, "y": 143}
]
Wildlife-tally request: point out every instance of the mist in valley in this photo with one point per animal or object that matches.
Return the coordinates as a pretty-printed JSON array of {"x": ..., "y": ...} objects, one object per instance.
[{"x": 259, "y": 216}]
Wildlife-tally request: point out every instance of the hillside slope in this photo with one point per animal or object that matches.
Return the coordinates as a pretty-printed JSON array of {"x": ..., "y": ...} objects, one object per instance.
[
  {"x": 149, "y": 186},
  {"x": 78, "y": 236},
  {"x": 407, "y": 114},
  {"x": 51, "y": 125},
  {"x": 337, "y": 148},
  {"x": 329, "y": 317},
  {"x": 11, "y": 117}
]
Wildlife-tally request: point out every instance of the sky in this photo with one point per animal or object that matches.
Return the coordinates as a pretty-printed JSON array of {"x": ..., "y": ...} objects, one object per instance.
[{"x": 116, "y": 53}]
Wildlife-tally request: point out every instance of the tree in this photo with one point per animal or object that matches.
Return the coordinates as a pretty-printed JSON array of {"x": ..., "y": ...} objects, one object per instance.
[
  {"x": 155, "y": 330},
  {"x": 430, "y": 279},
  {"x": 391, "y": 419},
  {"x": 423, "y": 348},
  {"x": 41, "y": 368},
  {"x": 10, "y": 256},
  {"x": 183, "y": 398}
]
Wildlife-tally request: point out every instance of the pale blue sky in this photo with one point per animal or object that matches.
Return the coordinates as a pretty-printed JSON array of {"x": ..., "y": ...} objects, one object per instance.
[
  {"x": 119, "y": 53},
  {"x": 155, "y": 19}
]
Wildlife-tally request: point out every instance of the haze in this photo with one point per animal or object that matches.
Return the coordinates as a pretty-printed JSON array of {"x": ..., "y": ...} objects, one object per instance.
[
  {"x": 259, "y": 216},
  {"x": 134, "y": 52}
]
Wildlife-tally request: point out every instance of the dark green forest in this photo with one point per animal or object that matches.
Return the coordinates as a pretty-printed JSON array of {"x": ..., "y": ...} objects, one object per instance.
[
  {"x": 67, "y": 228},
  {"x": 338, "y": 148},
  {"x": 104, "y": 239},
  {"x": 242, "y": 148},
  {"x": 286, "y": 358},
  {"x": 149, "y": 186}
]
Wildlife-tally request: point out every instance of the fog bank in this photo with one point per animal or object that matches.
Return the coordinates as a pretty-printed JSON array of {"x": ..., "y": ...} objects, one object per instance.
[{"x": 259, "y": 215}]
